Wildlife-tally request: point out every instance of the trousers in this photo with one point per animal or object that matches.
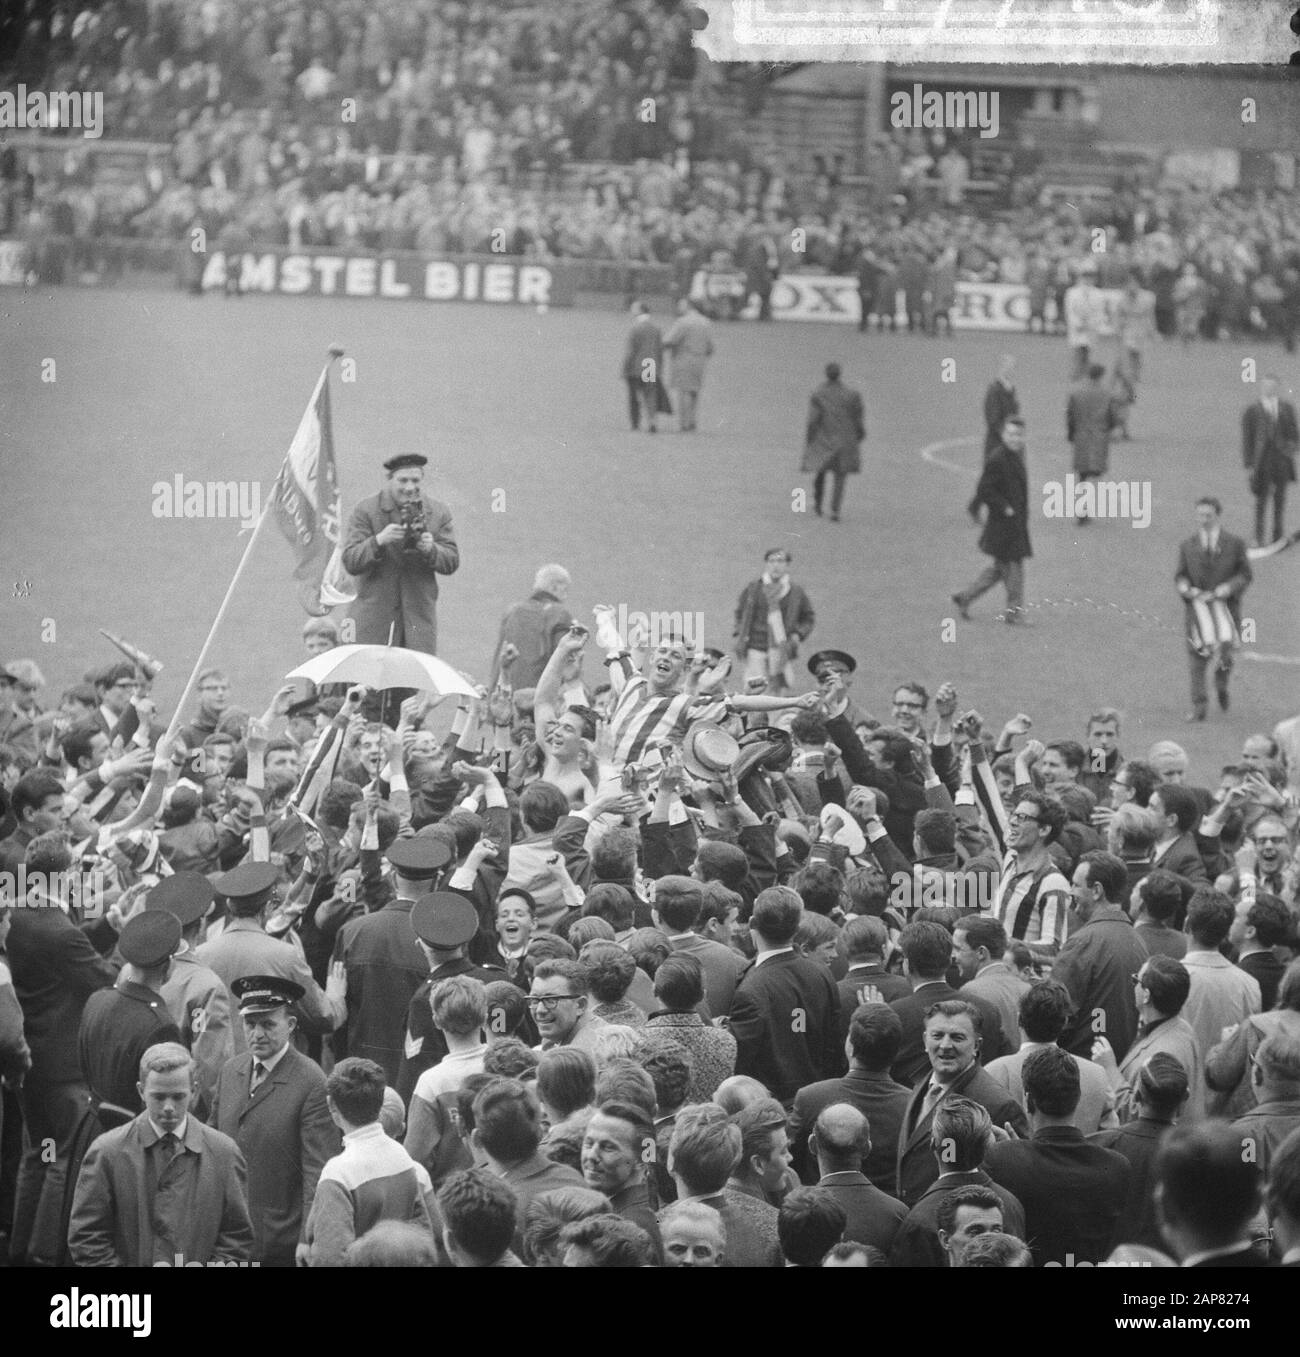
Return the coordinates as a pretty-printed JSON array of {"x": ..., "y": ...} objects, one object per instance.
[
  {"x": 1011, "y": 573},
  {"x": 1278, "y": 491},
  {"x": 837, "y": 490}
]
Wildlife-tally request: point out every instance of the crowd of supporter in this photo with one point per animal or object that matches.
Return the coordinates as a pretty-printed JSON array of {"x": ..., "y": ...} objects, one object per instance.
[
  {"x": 693, "y": 976},
  {"x": 574, "y": 131}
]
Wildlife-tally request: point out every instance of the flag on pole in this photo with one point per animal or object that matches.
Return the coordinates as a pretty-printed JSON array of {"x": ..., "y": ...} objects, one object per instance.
[{"x": 309, "y": 507}]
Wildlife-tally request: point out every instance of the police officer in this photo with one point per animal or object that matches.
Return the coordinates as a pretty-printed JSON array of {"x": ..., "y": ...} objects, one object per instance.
[
  {"x": 195, "y": 995},
  {"x": 444, "y": 923},
  {"x": 270, "y": 1101},
  {"x": 245, "y": 948},
  {"x": 119, "y": 1025},
  {"x": 381, "y": 959}
]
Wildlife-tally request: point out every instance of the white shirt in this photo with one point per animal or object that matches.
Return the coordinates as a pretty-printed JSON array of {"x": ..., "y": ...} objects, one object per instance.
[
  {"x": 271, "y": 1062},
  {"x": 179, "y": 1132},
  {"x": 1210, "y": 540},
  {"x": 776, "y": 951}
]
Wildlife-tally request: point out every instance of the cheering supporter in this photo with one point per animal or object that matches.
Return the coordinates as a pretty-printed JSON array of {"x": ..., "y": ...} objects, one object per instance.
[{"x": 688, "y": 950}]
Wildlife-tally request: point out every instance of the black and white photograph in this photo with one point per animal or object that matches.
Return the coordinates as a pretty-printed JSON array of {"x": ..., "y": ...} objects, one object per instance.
[{"x": 645, "y": 634}]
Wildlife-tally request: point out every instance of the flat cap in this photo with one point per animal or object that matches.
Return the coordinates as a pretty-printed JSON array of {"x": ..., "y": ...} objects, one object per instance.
[
  {"x": 187, "y": 895},
  {"x": 444, "y": 919},
  {"x": 247, "y": 880},
  {"x": 149, "y": 938},
  {"x": 404, "y": 459},
  {"x": 421, "y": 857},
  {"x": 265, "y": 993}
]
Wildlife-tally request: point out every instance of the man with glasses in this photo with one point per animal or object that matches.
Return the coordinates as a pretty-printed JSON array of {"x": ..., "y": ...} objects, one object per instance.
[
  {"x": 115, "y": 686},
  {"x": 1033, "y": 897},
  {"x": 214, "y": 698},
  {"x": 1273, "y": 872},
  {"x": 1160, "y": 989},
  {"x": 560, "y": 1003},
  {"x": 910, "y": 702}
]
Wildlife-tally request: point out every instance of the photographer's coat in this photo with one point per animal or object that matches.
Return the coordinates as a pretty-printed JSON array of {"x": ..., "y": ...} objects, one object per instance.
[{"x": 395, "y": 586}]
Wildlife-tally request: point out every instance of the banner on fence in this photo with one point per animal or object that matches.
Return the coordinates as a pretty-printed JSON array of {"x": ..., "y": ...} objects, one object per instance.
[
  {"x": 979, "y": 306},
  {"x": 409, "y": 277}
]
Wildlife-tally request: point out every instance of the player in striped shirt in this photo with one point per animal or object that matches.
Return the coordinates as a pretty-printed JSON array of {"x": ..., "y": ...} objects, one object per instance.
[
  {"x": 1033, "y": 898},
  {"x": 652, "y": 706}
]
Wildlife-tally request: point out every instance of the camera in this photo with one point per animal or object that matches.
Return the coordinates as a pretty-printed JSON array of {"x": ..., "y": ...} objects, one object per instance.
[{"x": 413, "y": 524}]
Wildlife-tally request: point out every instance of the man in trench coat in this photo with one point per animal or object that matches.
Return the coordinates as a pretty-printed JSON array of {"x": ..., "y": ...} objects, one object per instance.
[
  {"x": 1004, "y": 490},
  {"x": 397, "y": 572},
  {"x": 1090, "y": 419},
  {"x": 836, "y": 428}
]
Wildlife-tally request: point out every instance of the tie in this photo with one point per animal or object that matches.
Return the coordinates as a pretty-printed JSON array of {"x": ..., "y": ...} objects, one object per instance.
[
  {"x": 932, "y": 1096},
  {"x": 170, "y": 1145},
  {"x": 259, "y": 1073}
]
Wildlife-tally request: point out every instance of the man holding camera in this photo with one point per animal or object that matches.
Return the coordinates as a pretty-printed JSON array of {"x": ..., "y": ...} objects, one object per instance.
[{"x": 399, "y": 541}]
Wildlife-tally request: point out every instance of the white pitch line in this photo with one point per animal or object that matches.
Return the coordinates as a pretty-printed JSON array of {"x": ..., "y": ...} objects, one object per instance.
[
  {"x": 1269, "y": 659},
  {"x": 930, "y": 453}
]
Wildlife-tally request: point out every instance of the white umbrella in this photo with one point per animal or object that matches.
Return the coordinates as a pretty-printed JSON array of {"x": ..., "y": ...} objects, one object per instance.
[{"x": 383, "y": 667}]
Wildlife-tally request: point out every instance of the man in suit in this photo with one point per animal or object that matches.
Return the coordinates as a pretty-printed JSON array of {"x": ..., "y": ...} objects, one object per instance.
[
  {"x": 1207, "y": 1196},
  {"x": 1269, "y": 439},
  {"x": 163, "y": 1190},
  {"x": 959, "y": 1139},
  {"x": 863, "y": 940},
  {"x": 678, "y": 906},
  {"x": 927, "y": 951},
  {"x": 507, "y": 1135},
  {"x": 399, "y": 541},
  {"x": 1044, "y": 1012},
  {"x": 1213, "y": 574},
  {"x": 1135, "y": 316},
  {"x": 245, "y": 948},
  {"x": 271, "y": 1102},
  {"x": 1098, "y": 960},
  {"x": 832, "y": 440},
  {"x": 1072, "y": 1191},
  {"x": 119, "y": 1025},
  {"x": 55, "y": 971},
  {"x": 840, "y": 1141},
  {"x": 785, "y": 1016},
  {"x": 773, "y": 616},
  {"x": 533, "y": 629},
  {"x": 952, "y": 1043},
  {"x": 1090, "y": 418},
  {"x": 1004, "y": 490},
  {"x": 642, "y": 370},
  {"x": 1159, "y": 1098},
  {"x": 872, "y": 1044},
  {"x": 978, "y": 946},
  {"x": 1000, "y": 403}
]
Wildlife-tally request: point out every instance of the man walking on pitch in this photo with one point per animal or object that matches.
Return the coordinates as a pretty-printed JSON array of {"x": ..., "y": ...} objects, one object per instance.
[
  {"x": 1004, "y": 489},
  {"x": 643, "y": 362},
  {"x": 836, "y": 428},
  {"x": 690, "y": 341}
]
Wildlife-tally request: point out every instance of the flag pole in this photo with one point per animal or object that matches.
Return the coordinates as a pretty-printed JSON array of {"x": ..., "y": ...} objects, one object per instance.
[{"x": 179, "y": 714}]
